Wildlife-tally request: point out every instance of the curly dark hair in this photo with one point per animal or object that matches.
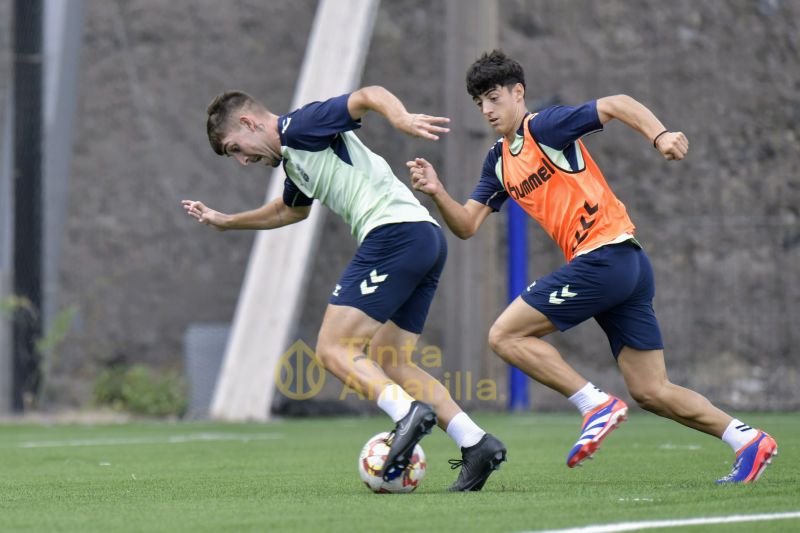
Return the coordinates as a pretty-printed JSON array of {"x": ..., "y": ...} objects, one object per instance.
[{"x": 492, "y": 69}]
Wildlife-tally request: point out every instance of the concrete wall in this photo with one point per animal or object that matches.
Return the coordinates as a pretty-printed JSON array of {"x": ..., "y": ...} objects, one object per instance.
[{"x": 721, "y": 228}]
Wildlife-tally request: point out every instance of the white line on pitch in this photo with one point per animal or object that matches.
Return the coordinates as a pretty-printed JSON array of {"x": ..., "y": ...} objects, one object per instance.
[
  {"x": 653, "y": 524},
  {"x": 173, "y": 439}
]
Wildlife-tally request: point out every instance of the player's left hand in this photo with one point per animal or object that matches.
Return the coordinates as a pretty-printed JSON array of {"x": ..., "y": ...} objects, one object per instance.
[
  {"x": 425, "y": 126},
  {"x": 673, "y": 145}
]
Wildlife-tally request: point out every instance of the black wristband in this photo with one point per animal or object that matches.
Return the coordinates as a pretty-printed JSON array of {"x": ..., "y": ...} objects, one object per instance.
[{"x": 656, "y": 138}]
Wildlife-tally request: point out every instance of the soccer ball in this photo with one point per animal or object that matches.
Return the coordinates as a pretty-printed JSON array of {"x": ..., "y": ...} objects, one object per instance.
[{"x": 370, "y": 466}]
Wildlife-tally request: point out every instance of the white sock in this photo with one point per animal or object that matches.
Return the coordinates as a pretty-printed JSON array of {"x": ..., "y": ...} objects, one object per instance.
[
  {"x": 394, "y": 401},
  {"x": 464, "y": 431},
  {"x": 588, "y": 398},
  {"x": 737, "y": 434}
]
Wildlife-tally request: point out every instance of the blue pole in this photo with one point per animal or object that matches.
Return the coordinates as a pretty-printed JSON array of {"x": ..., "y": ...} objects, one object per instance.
[{"x": 517, "y": 281}]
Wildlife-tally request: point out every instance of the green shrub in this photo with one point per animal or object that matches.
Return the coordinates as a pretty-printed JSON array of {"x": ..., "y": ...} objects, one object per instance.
[{"x": 139, "y": 390}]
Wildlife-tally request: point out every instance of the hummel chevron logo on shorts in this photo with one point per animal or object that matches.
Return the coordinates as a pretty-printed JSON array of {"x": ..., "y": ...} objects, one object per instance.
[
  {"x": 597, "y": 425},
  {"x": 565, "y": 293},
  {"x": 376, "y": 279}
]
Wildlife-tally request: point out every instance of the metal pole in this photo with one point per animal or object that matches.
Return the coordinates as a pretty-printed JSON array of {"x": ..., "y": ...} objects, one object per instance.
[
  {"x": 6, "y": 241},
  {"x": 28, "y": 198}
]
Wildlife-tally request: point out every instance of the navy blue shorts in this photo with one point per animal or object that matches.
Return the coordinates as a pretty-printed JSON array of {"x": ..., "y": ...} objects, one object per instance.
[
  {"x": 614, "y": 284},
  {"x": 394, "y": 274}
]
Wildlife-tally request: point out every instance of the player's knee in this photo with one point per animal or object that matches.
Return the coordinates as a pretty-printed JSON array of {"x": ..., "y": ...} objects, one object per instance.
[
  {"x": 648, "y": 398},
  {"x": 330, "y": 357},
  {"x": 324, "y": 357},
  {"x": 499, "y": 339}
]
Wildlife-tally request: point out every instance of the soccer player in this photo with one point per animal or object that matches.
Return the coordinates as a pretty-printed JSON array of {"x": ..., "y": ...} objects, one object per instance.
[
  {"x": 383, "y": 297},
  {"x": 541, "y": 163}
]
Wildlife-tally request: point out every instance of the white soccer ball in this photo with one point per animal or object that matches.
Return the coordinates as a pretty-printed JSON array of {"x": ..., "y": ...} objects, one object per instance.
[{"x": 370, "y": 466}]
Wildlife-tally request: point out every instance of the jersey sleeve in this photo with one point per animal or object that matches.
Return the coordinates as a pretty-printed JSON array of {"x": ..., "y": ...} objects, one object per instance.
[
  {"x": 314, "y": 126},
  {"x": 560, "y": 126},
  {"x": 489, "y": 191},
  {"x": 294, "y": 197}
]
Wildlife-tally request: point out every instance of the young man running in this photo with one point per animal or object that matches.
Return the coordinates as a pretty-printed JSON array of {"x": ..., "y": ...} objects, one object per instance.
[
  {"x": 542, "y": 164},
  {"x": 384, "y": 294}
]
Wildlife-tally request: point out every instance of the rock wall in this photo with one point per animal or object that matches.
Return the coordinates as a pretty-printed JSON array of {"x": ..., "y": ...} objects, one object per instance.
[{"x": 721, "y": 227}]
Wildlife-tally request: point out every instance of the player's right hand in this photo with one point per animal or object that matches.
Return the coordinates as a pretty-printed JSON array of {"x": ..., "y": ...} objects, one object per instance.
[
  {"x": 203, "y": 214},
  {"x": 423, "y": 177}
]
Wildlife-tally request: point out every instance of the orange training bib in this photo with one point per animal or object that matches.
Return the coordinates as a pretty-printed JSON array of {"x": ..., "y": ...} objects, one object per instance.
[{"x": 577, "y": 209}]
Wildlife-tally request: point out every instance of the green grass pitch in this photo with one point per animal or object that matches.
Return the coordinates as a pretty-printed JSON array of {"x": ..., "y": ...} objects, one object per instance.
[{"x": 300, "y": 475}]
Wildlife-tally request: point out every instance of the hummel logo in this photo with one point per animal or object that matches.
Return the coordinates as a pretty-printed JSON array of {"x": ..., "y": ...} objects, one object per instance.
[
  {"x": 554, "y": 299},
  {"x": 286, "y": 122},
  {"x": 302, "y": 173},
  {"x": 366, "y": 289},
  {"x": 585, "y": 224},
  {"x": 376, "y": 279}
]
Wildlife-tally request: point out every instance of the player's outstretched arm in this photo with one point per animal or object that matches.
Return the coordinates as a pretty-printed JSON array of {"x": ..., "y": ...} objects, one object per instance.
[
  {"x": 376, "y": 98},
  {"x": 673, "y": 145},
  {"x": 273, "y": 214},
  {"x": 463, "y": 220}
]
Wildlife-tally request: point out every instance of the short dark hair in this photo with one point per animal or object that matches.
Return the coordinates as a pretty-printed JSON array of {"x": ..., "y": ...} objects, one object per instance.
[
  {"x": 220, "y": 112},
  {"x": 492, "y": 69}
]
